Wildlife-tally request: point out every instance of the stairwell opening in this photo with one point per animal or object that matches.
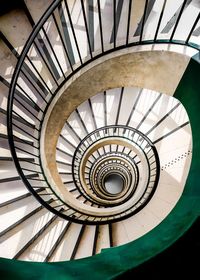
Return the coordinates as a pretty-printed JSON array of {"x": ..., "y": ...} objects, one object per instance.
[{"x": 113, "y": 183}]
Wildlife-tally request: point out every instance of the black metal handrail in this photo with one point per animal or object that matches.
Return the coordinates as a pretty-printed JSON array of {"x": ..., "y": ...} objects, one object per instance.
[
  {"x": 105, "y": 133},
  {"x": 123, "y": 170},
  {"x": 30, "y": 110},
  {"x": 82, "y": 192},
  {"x": 90, "y": 176}
]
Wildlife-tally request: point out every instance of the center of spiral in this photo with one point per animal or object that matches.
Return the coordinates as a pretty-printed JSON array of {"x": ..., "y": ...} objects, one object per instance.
[{"x": 113, "y": 183}]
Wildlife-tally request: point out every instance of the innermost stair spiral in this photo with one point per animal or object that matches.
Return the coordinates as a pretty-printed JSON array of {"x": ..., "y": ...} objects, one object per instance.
[
  {"x": 120, "y": 132},
  {"x": 113, "y": 183}
]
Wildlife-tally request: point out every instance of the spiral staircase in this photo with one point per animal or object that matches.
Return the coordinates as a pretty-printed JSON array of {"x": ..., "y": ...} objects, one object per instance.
[{"x": 99, "y": 149}]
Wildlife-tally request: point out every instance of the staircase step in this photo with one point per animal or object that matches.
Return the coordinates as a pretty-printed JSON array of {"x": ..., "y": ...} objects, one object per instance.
[{"x": 20, "y": 237}]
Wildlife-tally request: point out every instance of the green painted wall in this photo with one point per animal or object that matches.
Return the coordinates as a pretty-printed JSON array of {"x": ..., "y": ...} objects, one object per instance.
[{"x": 115, "y": 261}]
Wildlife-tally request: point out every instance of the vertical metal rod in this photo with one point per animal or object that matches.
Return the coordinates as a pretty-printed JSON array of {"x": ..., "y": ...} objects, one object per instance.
[
  {"x": 114, "y": 22},
  {"x": 77, "y": 242},
  {"x": 52, "y": 49},
  {"x": 61, "y": 38},
  {"x": 83, "y": 124},
  {"x": 46, "y": 64},
  {"x": 92, "y": 113},
  {"x": 90, "y": 16},
  {"x": 119, "y": 107},
  {"x": 95, "y": 240},
  {"x": 55, "y": 246},
  {"x": 160, "y": 19},
  {"x": 128, "y": 23},
  {"x": 100, "y": 25},
  {"x": 32, "y": 64},
  {"x": 177, "y": 21},
  {"x": 143, "y": 21},
  {"x": 192, "y": 29},
  {"x": 86, "y": 27},
  {"x": 110, "y": 235},
  {"x": 73, "y": 32}
]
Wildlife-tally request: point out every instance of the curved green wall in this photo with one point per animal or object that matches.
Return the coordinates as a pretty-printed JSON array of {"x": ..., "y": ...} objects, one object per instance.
[{"x": 115, "y": 261}]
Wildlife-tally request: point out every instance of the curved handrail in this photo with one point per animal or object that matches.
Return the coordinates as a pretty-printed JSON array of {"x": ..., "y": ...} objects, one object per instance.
[
  {"x": 19, "y": 69},
  {"x": 114, "y": 131}
]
